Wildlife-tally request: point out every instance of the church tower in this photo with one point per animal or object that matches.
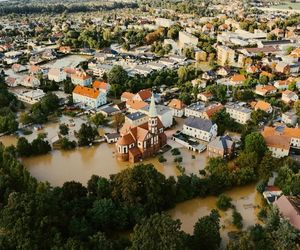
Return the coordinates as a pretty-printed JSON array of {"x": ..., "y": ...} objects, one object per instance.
[{"x": 152, "y": 123}]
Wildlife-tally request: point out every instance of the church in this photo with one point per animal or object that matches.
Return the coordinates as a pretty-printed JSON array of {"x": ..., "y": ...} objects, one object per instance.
[{"x": 144, "y": 140}]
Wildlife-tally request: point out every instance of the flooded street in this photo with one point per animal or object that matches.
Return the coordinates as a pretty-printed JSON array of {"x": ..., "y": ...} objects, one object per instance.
[{"x": 245, "y": 199}]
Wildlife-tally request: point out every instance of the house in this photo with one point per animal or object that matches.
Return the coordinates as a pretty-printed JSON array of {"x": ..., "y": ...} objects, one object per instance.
[
  {"x": 221, "y": 146},
  {"x": 109, "y": 111},
  {"x": 65, "y": 49},
  {"x": 11, "y": 81},
  {"x": 252, "y": 69},
  {"x": 30, "y": 97},
  {"x": 267, "y": 74},
  {"x": 177, "y": 107},
  {"x": 126, "y": 96},
  {"x": 121, "y": 106},
  {"x": 289, "y": 96},
  {"x": 289, "y": 209},
  {"x": 101, "y": 85},
  {"x": 281, "y": 84},
  {"x": 223, "y": 71},
  {"x": 30, "y": 82},
  {"x": 237, "y": 80},
  {"x": 280, "y": 139},
  {"x": 199, "y": 109},
  {"x": 81, "y": 78},
  {"x": 164, "y": 113},
  {"x": 205, "y": 96},
  {"x": 262, "y": 105},
  {"x": 289, "y": 117},
  {"x": 200, "y": 83},
  {"x": 57, "y": 75},
  {"x": 199, "y": 128},
  {"x": 16, "y": 67},
  {"x": 35, "y": 70},
  {"x": 239, "y": 113},
  {"x": 144, "y": 140},
  {"x": 135, "y": 105},
  {"x": 264, "y": 90},
  {"x": 88, "y": 97},
  {"x": 136, "y": 118},
  {"x": 111, "y": 137},
  {"x": 142, "y": 95},
  {"x": 282, "y": 67}
]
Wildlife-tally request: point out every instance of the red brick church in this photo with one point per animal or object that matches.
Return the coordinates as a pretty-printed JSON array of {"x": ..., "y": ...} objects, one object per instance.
[{"x": 144, "y": 140}]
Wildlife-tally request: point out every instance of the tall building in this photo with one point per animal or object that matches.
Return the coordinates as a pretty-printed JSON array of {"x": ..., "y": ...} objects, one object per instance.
[
  {"x": 226, "y": 56},
  {"x": 142, "y": 141}
]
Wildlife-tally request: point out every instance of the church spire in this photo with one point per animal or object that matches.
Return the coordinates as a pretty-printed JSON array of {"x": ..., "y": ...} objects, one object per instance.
[{"x": 152, "y": 109}]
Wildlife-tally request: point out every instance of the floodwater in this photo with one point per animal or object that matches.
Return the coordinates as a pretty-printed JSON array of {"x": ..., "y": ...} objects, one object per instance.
[
  {"x": 80, "y": 164},
  {"x": 246, "y": 200}
]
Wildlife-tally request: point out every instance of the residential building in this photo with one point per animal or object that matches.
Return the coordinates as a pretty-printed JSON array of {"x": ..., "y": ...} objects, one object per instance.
[
  {"x": 111, "y": 137},
  {"x": 81, "y": 78},
  {"x": 199, "y": 109},
  {"x": 177, "y": 107},
  {"x": 187, "y": 39},
  {"x": 282, "y": 67},
  {"x": 289, "y": 209},
  {"x": 205, "y": 96},
  {"x": 135, "y": 105},
  {"x": 126, "y": 96},
  {"x": 109, "y": 111},
  {"x": 144, "y": 140},
  {"x": 264, "y": 90},
  {"x": 136, "y": 119},
  {"x": 30, "y": 97},
  {"x": 239, "y": 113},
  {"x": 89, "y": 97},
  {"x": 289, "y": 117},
  {"x": 237, "y": 80},
  {"x": 57, "y": 75},
  {"x": 280, "y": 139},
  {"x": 281, "y": 84},
  {"x": 289, "y": 96},
  {"x": 199, "y": 128},
  {"x": 262, "y": 105},
  {"x": 101, "y": 85},
  {"x": 225, "y": 56},
  {"x": 30, "y": 81},
  {"x": 221, "y": 146}
]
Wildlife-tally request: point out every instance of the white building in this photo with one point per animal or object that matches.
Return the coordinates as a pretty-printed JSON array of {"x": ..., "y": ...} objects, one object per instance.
[
  {"x": 177, "y": 107},
  {"x": 239, "y": 113},
  {"x": 30, "y": 82},
  {"x": 187, "y": 39},
  {"x": 289, "y": 117},
  {"x": 200, "y": 128},
  {"x": 57, "y": 75},
  {"x": 81, "y": 78},
  {"x": 89, "y": 97},
  {"x": 30, "y": 97},
  {"x": 164, "y": 22},
  {"x": 289, "y": 96},
  {"x": 163, "y": 113}
]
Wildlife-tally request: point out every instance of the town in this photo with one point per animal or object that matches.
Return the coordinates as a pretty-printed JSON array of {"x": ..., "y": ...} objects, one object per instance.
[{"x": 115, "y": 115}]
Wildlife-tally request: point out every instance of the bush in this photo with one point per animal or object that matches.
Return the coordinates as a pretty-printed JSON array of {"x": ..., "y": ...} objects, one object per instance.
[
  {"x": 175, "y": 151},
  {"x": 66, "y": 144},
  {"x": 260, "y": 187},
  {"x": 202, "y": 172},
  {"x": 161, "y": 159},
  {"x": 224, "y": 202},
  {"x": 178, "y": 159},
  {"x": 262, "y": 214},
  {"x": 237, "y": 219}
]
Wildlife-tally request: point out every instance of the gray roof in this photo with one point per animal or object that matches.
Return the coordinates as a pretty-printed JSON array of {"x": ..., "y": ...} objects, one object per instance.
[
  {"x": 109, "y": 110},
  {"x": 198, "y": 123},
  {"x": 160, "y": 109},
  {"x": 135, "y": 115},
  {"x": 221, "y": 142},
  {"x": 112, "y": 135}
]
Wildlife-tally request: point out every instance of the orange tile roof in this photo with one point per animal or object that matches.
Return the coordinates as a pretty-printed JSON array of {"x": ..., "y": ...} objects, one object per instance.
[
  {"x": 238, "y": 78},
  {"x": 126, "y": 140},
  {"x": 135, "y": 104},
  {"x": 262, "y": 105},
  {"x": 85, "y": 91},
  {"x": 100, "y": 85},
  {"x": 176, "y": 104},
  {"x": 127, "y": 95},
  {"x": 213, "y": 109},
  {"x": 265, "y": 73},
  {"x": 145, "y": 94}
]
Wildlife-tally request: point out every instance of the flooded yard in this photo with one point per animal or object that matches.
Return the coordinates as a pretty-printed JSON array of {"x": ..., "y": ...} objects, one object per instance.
[{"x": 246, "y": 200}]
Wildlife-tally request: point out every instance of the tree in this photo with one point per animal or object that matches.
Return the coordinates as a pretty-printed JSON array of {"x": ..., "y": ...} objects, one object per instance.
[
  {"x": 255, "y": 142},
  {"x": 99, "y": 186},
  {"x": 68, "y": 87},
  {"x": 159, "y": 231},
  {"x": 40, "y": 146},
  {"x": 142, "y": 187},
  {"x": 72, "y": 190},
  {"x": 223, "y": 202},
  {"x": 295, "y": 185},
  {"x": 258, "y": 116},
  {"x": 99, "y": 120},
  {"x": 117, "y": 77},
  {"x": 237, "y": 219},
  {"x": 66, "y": 144},
  {"x": 118, "y": 120},
  {"x": 63, "y": 129},
  {"x": 207, "y": 232},
  {"x": 86, "y": 134},
  {"x": 286, "y": 236},
  {"x": 24, "y": 147}
]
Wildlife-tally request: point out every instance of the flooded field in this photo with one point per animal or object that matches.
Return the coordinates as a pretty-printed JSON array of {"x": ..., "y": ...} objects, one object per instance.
[{"x": 246, "y": 200}]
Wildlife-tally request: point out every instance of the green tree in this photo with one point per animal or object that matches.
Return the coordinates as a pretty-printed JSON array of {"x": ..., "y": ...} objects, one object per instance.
[
  {"x": 86, "y": 134},
  {"x": 223, "y": 202},
  {"x": 24, "y": 147},
  {"x": 207, "y": 232},
  {"x": 63, "y": 129},
  {"x": 99, "y": 120},
  {"x": 237, "y": 219},
  {"x": 159, "y": 231},
  {"x": 255, "y": 142}
]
